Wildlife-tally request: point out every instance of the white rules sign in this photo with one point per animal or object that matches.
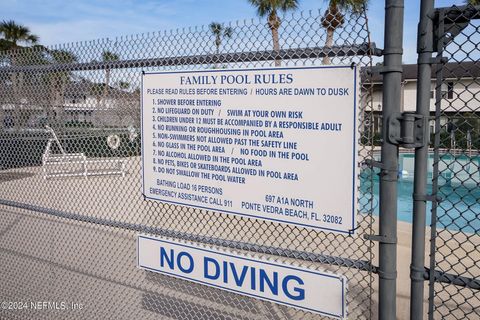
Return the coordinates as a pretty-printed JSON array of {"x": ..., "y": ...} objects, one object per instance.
[
  {"x": 306, "y": 289},
  {"x": 275, "y": 144}
]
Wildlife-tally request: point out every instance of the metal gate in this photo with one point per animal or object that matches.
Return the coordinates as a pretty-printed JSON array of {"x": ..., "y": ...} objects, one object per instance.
[
  {"x": 454, "y": 273},
  {"x": 449, "y": 97},
  {"x": 69, "y": 235}
]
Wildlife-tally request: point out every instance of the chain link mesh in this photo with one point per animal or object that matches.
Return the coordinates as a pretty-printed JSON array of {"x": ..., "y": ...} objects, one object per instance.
[
  {"x": 455, "y": 240},
  {"x": 73, "y": 238}
]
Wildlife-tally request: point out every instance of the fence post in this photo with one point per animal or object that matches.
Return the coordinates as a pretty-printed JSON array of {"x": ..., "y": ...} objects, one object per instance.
[
  {"x": 392, "y": 78},
  {"x": 417, "y": 267}
]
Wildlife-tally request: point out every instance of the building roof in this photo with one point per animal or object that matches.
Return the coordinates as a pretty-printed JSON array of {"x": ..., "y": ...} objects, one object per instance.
[
  {"x": 40, "y": 93},
  {"x": 452, "y": 70},
  {"x": 87, "y": 88}
]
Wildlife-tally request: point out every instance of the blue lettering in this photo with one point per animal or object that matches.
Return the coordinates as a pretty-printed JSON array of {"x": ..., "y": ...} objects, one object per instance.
[
  {"x": 238, "y": 280},
  {"x": 263, "y": 278},
  {"x": 163, "y": 257},
  {"x": 209, "y": 261},
  {"x": 253, "y": 278},
  {"x": 225, "y": 273},
  {"x": 289, "y": 78},
  {"x": 190, "y": 260},
  {"x": 300, "y": 293}
]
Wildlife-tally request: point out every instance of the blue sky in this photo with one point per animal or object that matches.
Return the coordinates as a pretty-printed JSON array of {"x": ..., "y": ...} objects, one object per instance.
[{"x": 60, "y": 21}]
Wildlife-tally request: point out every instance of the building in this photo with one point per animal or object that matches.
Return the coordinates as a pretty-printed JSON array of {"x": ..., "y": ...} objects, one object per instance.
[
  {"x": 460, "y": 97},
  {"x": 72, "y": 103}
]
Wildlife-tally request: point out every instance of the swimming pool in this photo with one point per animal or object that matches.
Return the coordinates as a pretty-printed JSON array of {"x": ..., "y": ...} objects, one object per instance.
[{"x": 459, "y": 187}]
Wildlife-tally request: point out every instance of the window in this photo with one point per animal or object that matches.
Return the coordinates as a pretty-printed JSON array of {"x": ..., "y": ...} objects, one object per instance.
[
  {"x": 449, "y": 90},
  {"x": 432, "y": 95}
]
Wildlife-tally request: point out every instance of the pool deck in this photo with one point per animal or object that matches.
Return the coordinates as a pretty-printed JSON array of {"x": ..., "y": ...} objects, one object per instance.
[{"x": 99, "y": 262}]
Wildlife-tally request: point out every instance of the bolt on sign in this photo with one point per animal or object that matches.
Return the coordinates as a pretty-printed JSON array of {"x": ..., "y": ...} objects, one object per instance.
[{"x": 275, "y": 144}]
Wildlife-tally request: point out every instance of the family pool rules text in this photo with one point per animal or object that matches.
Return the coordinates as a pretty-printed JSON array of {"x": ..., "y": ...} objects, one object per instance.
[{"x": 275, "y": 144}]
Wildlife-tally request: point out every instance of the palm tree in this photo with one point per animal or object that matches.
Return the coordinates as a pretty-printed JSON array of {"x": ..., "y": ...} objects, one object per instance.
[
  {"x": 334, "y": 18},
  {"x": 220, "y": 31},
  {"x": 108, "y": 56},
  {"x": 269, "y": 8},
  {"x": 12, "y": 35},
  {"x": 4, "y": 45},
  {"x": 96, "y": 90},
  {"x": 123, "y": 85}
]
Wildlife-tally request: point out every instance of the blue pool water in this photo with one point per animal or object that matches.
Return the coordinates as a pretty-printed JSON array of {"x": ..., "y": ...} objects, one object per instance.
[{"x": 459, "y": 187}]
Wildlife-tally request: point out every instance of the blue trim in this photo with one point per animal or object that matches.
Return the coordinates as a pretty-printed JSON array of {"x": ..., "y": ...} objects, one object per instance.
[
  {"x": 250, "y": 69},
  {"x": 142, "y": 133},
  {"x": 251, "y": 260},
  {"x": 138, "y": 251},
  {"x": 343, "y": 297},
  {"x": 354, "y": 188},
  {"x": 350, "y": 231}
]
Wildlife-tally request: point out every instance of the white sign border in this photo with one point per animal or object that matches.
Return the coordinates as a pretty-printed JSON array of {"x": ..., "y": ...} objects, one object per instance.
[
  {"x": 355, "y": 179},
  {"x": 243, "y": 256}
]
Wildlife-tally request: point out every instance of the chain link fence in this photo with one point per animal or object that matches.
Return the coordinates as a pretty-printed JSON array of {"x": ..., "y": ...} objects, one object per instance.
[
  {"x": 70, "y": 235},
  {"x": 454, "y": 272}
]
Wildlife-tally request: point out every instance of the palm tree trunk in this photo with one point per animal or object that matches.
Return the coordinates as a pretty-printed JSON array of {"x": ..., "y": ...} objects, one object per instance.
[
  {"x": 21, "y": 114},
  {"x": 53, "y": 96},
  {"x": 16, "y": 100},
  {"x": 328, "y": 45},
  {"x": 61, "y": 97},
  {"x": 16, "y": 94},
  {"x": 105, "y": 88},
  {"x": 276, "y": 45},
  {"x": 217, "y": 52}
]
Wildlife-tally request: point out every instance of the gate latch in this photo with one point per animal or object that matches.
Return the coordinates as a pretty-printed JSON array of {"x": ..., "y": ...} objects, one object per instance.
[{"x": 408, "y": 130}]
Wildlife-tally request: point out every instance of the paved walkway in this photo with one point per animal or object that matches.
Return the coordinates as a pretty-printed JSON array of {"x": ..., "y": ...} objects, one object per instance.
[{"x": 48, "y": 258}]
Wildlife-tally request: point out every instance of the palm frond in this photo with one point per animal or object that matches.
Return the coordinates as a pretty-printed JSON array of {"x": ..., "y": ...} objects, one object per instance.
[
  {"x": 216, "y": 28},
  {"x": 355, "y": 6},
  {"x": 14, "y": 32},
  {"x": 110, "y": 56},
  {"x": 228, "y": 32}
]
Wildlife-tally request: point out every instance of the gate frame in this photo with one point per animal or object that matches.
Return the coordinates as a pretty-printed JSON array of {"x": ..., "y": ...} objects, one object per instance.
[
  {"x": 420, "y": 198},
  {"x": 392, "y": 77},
  {"x": 431, "y": 39}
]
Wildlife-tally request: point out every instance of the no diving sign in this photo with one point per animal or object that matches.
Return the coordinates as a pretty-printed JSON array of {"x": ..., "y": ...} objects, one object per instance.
[
  {"x": 275, "y": 144},
  {"x": 302, "y": 288}
]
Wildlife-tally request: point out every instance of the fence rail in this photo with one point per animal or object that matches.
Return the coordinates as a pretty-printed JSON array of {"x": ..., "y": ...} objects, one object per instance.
[{"x": 367, "y": 49}]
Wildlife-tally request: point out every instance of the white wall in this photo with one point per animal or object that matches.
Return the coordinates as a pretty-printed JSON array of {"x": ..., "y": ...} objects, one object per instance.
[{"x": 466, "y": 96}]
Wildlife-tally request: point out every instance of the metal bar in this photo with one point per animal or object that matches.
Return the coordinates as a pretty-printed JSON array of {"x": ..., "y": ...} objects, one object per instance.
[
  {"x": 253, "y": 56},
  {"x": 424, "y": 50},
  {"x": 301, "y": 255},
  {"x": 454, "y": 279},
  {"x": 52, "y": 132},
  {"x": 392, "y": 78},
  {"x": 460, "y": 14},
  {"x": 439, "y": 31}
]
